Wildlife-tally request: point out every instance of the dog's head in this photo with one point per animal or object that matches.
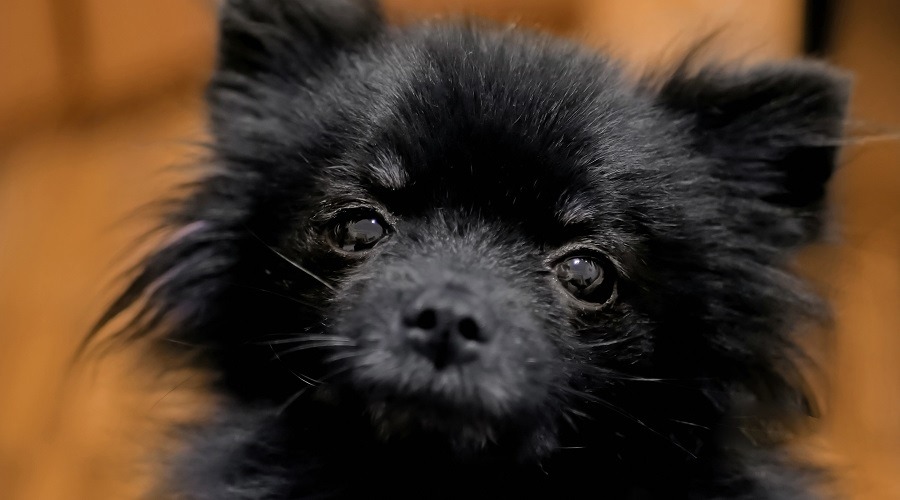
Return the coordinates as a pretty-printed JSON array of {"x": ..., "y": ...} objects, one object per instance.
[{"x": 486, "y": 235}]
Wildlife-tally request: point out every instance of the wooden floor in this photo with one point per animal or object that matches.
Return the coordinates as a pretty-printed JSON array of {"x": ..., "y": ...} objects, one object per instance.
[{"x": 64, "y": 198}]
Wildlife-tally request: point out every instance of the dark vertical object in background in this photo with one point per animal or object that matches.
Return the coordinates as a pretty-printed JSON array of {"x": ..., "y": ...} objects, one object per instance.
[
  {"x": 817, "y": 31},
  {"x": 71, "y": 42}
]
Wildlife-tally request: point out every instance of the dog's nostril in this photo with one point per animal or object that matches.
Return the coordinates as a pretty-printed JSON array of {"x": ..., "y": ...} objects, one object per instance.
[
  {"x": 426, "y": 319},
  {"x": 447, "y": 325},
  {"x": 468, "y": 329}
]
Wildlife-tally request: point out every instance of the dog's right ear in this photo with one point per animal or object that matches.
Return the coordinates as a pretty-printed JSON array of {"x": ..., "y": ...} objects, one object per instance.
[{"x": 295, "y": 38}]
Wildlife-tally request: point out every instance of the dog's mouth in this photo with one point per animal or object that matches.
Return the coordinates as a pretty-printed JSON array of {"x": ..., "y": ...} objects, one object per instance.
[
  {"x": 464, "y": 413},
  {"x": 406, "y": 420},
  {"x": 460, "y": 414},
  {"x": 400, "y": 420}
]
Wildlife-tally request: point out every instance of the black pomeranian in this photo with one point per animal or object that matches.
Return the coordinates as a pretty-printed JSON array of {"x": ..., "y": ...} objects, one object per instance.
[{"x": 456, "y": 261}]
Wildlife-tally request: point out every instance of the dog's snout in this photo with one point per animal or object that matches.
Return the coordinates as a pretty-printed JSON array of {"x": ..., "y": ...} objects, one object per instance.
[{"x": 450, "y": 326}]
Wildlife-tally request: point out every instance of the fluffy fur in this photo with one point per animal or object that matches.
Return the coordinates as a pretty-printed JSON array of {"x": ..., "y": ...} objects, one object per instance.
[{"x": 490, "y": 155}]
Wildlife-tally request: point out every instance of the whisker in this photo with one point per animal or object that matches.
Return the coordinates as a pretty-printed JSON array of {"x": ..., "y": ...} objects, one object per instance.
[
  {"x": 692, "y": 424},
  {"x": 180, "y": 342},
  {"x": 595, "y": 399},
  {"x": 580, "y": 414},
  {"x": 308, "y": 338},
  {"x": 338, "y": 371},
  {"x": 618, "y": 375},
  {"x": 294, "y": 264},
  {"x": 284, "y": 335},
  {"x": 569, "y": 420},
  {"x": 605, "y": 343},
  {"x": 170, "y": 391},
  {"x": 615, "y": 374},
  {"x": 314, "y": 345},
  {"x": 342, "y": 356},
  {"x": 350, "y": 355},
  {"x": 308, "y": 380},
  {"x": 314, "y": 307},
  {"x": 291, "y": 400}
]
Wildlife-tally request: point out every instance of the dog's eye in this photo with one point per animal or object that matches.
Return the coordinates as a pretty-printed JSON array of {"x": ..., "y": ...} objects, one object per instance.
[
  {"x": 591, "y": 279},
  {"x": 359, "y": 233}
]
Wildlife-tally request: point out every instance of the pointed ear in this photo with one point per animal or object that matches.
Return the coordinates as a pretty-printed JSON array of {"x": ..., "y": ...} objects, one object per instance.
[
  {"x": 773, "y": 131},
  {"x": 291, "y": 38}
]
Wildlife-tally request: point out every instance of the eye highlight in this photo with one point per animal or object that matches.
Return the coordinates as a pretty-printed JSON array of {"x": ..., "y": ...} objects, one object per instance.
[
  {"x": 359, "y": 232},
  {"x": 587, "y": 278}
]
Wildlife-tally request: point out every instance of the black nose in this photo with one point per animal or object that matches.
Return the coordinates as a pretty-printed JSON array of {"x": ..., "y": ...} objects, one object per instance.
[{"x": 448, "y": 325}]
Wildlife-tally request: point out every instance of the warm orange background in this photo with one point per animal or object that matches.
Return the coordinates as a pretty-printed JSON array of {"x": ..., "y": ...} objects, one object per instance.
[{"x": 98, "y": 97}]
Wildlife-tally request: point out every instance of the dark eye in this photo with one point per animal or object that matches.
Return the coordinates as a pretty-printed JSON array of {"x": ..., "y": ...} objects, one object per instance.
[
  {"x": 359, "y": 233},
  {"x": 591, "y": 279}
]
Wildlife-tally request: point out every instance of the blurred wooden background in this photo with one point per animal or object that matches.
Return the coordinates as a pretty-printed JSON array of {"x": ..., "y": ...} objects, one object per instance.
[{"x": 98, "y": 97}]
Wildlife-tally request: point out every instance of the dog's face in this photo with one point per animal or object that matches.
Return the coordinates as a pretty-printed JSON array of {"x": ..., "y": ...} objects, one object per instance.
[{"x": 492, "y": 238}]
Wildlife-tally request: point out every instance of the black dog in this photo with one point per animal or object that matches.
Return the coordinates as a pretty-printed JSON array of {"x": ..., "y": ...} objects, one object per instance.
[{"x": 466, "y": 262}]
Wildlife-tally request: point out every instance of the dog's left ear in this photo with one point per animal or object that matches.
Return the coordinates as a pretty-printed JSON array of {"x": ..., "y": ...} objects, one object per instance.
[
  {"x": 269, "y": 50},
  {"x": 773, "y": 131},
  {"x": 291, "y": 37}
]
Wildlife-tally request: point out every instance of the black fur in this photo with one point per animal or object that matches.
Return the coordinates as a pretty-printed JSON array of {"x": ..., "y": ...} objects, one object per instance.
[{"x": 491, "y": 154}]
